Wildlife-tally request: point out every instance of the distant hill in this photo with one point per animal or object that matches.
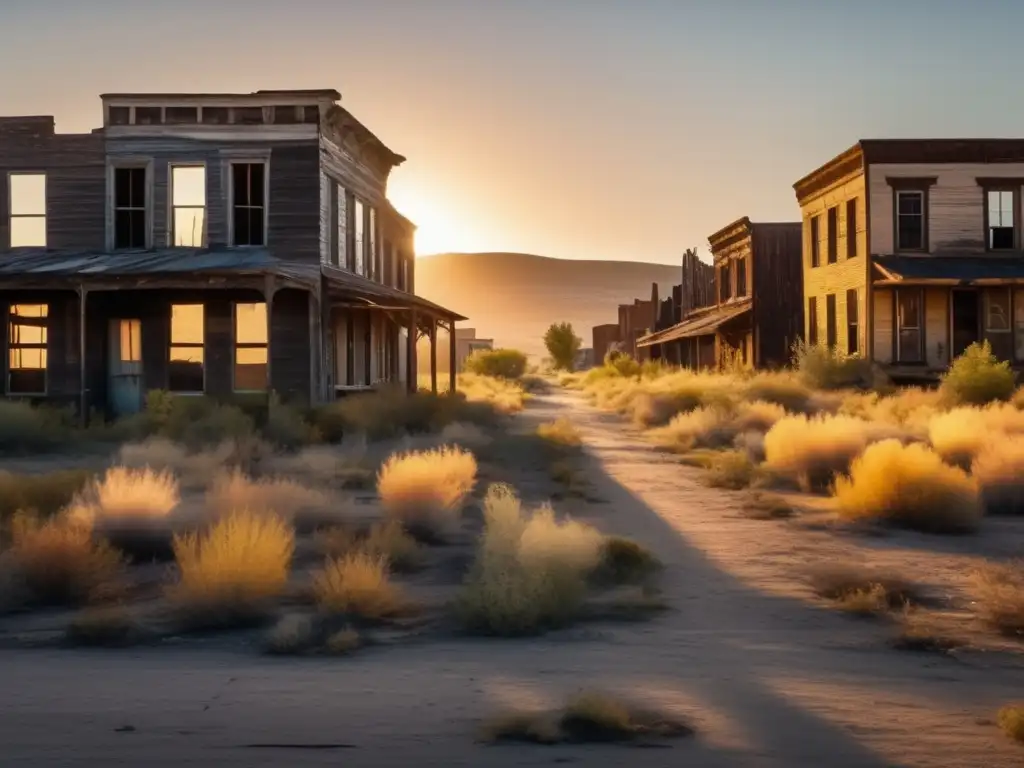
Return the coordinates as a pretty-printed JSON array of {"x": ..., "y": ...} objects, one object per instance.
[{"x": 514, "y": 297}]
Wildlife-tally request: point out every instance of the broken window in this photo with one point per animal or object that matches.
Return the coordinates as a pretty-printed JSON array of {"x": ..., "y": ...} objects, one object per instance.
[
  {"x": 741, "y": 276},
  {"x": 1001, "y": 227},
  {"x": 185, "y": 371},
  {"x": 182, "y": 115},
  {"x": 248, "y": 203},
  {"x": 148, "y": 115},
  {"x": 359, "y": 242},
  {"x": 130, "y": 208},
  {"x": 188, "y": 201},
  {"x": 251, "y": 348},
  {"x": 28, "y": 210},
  {"x": 27, "y": 336}
]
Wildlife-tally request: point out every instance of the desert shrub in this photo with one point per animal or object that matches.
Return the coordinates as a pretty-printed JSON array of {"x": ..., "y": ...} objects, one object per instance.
[
  {"x": 286, "y": 426},
  {"x": 562, "y": 344},
  {"x": 292, "y": 634},
  {"x": 822, "y": 367},
  {"x": 715, "y": 426},
  {"x": 103, "y": 626},
  {"x": 618, "y": 364},
  {"x": 323, "y": 465},
  {"x": 1011, "y": 721},
  {"x": 469, "y": 436},
  {"x": 624, "y": 561},
  {"x": 500, "y": 363},
  {"x": 58, "y": 560},
  {"x": 425, "y": 490},
  {"x": 561, "y": 432},
  {"x": 357, "y": 585},
  {"x": 655, "y": 409},
  {"x": 1000, "y": 593},
  {"x": 488, "y": 395},
  {"x": 387, "y": 540},
  {"x": 960, "y": 434},
  {"x": 25, "y": 428},
  {"x": 44, "y": 493},
  {"x": 909, "y": 486},
  {"x": 928, "y": 631},
  {"x": 999, "y": 471},
  {"x": 910, "y": 407},
  {"x": 229, "y": 572},
  {"x": 732, "y": 470},
  {"x": 780, "y": 389},
  {"x": 767, "y": 506},
  {"x": 530, "y": 570},
  {"x": 196, "y": 422},
  {"x": 302, "y": 506},
  {"x": 977, "y": 378},
  {"x": 862, "y": 591},
  {"x": 343, "y": 642},
  {"x": 813, "y": 450}
]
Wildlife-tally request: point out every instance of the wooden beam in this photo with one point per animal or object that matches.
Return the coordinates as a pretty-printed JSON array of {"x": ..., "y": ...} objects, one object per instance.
[
  {"x": 410, "y": 354},
  {"x": 433, "y": 356},
  {"x": 451, "y": 358}
]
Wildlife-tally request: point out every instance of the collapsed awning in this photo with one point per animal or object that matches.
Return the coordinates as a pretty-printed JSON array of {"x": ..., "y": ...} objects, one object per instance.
[
  {"x": 703, "y": 324},
  {"x": 948, "y": 270}
]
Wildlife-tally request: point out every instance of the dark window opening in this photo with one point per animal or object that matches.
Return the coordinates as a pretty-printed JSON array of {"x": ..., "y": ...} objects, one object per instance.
[
  {"x": 830, "y": 321},
  {"x": 741, "y": 277},
  {"x": 129, "y": 208},
  {"x": 815, "y": 243},
  {"x": 248, "y": 115},
  {"x": 851, "y": 228},
  {"x": 182, "y": 115},
  {"x": 723, "y": 290},
  {"x": 215, "y": 115},
  {"x": 852, "y": 322},
  {"x": 248, "y": 203},
  {"x": 908, "y": 324},
  {"x": 833, "y": 235},
  {"x": 148, "y": 116},
  {"x": 311, "y": 114},
  {"x": 910, "y": 220},
  {"x": 812, "y": 321},
  {"x": 119, "y": 116},
  {"x": 1001, "y": 219},
  {"x": 27, "y": 337},
  {"x": 286, "y": 115}
]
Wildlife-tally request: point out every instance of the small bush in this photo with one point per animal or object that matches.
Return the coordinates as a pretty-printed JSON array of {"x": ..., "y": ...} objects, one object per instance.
[
  {"x": 999, "y": 472},
  {"x": 1000, "y": 592},
  {"x": 25, "y": 428},
  {"x": 287, "y": 427},
  {"x": 58, "y": 560},
  {"x": 343, "y": 642},
  {"x": 425, "y": 490},
  {"x": 960, "y": 434},
  {"x": 656, "y": 409},
  {"x": 822, "y": 367},
  {"x": 196, "y": 422},
  {"x": 766, "y": 506},
  {"x": 304, "y": 507},
  {"x": 357, "y": 585},
  {"x": 909, "y": 486},
  {"x": 229, "y": 572},
  {"x": 780, "y": 389},
  {"x": 925, "y": 631},
  {"x": 620, "y": 364},
  {"x": 500, "y": 363},
  {"x": 732, "y": 470},
  {"x": 1011, "y": 721},
  {"x": 562, "y": 344},
  {"x": 862, "y": 591},
  {"x": 108, "y": 626},
  {"x": 292, "y": 634},
  {"x": 977, "y": 378},
  {"x": 561, "y": 432},
  {"x": 387, "y": 540},
  {"x": 623, "y": 561},
  {"x": 44, "y": 493}
]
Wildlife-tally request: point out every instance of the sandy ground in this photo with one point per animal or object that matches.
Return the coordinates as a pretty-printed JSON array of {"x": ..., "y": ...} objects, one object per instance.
[{"x": 768, "y": 677}]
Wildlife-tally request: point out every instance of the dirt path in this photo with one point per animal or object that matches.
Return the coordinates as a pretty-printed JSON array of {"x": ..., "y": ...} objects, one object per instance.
[{"x": 768, "y": 678}]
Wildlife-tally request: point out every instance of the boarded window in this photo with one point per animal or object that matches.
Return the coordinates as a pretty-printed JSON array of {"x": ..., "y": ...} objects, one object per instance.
[
  {"x": 1002, "y": 234},
  {"x": 130, "y": 228},
  {"x": 359, "y": 239},
  {"x": 188, "y": 196},
  {"x": 908, "y": 325},
  {"x": 248, "y": 189},
  {"x": 851, "y": 228},
  {"x": 910, "y": 220},
  {"x": 830, "y": 321},
  {"x": 187, "y": 357},
  {"x": 27, "y": 338},
  {"x": 812, "y": 320},
  {"x": 815, "y": 241},
  {"x": 852, "y": 323},
  {"x": 833, "y": 234},
  {"x": 27, "y": 210},
  {"x": 251, "y": 348}
]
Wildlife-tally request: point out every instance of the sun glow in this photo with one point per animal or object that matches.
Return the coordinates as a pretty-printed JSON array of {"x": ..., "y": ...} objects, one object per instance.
[{"x": 442, "y": 223}]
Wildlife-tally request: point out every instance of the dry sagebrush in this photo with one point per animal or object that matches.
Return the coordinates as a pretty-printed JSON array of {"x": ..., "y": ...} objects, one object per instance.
[
  {"x": 357, "y": 585},
  {"x": 425, "y": 490},
  {"x": 999, "y": 471}
]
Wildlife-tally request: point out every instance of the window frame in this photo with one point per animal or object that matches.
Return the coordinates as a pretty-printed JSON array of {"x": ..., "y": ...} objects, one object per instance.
[
  {"x": 912, "y": 185},
  {"x": 814, "y": 227},
  {"x": 831, "y": 321},
  {"x": 851, "y": 228},
  {"x": 832, "y": 235},
  {"x": 171, "y": 345},
  {"x": 341, "y": 247},
  {"x": 11, "y": 347},
  {"x": 254, "y": 160},
  {"x": 359, "y": 249},
  {"x": 236, "y": 345},
  {"x": 171, "y": 207},
  {"x": 11, "y": 215},
  {"x": 812, "y": 321},
  {"x": 1013, "y": 186},
  {"x": 113, "y": 166},
  {"x": 898, "y": 326}
]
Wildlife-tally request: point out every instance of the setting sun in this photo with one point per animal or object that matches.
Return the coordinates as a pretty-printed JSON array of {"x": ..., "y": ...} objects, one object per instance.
[{"x": 442, "y": 223}]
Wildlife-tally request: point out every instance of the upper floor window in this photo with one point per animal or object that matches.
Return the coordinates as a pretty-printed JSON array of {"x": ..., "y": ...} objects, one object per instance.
[
  {"x": 248, "y": 115},
  {"x": 188, "y": 330},
  {"x": 815, "y": 241},
  {"x": 27, "y": 209},
  {"x": 248, "y": 203},
  {"x": 359, "y": 239},
  {"x": 27, "y": 336},
  {"x": 851, "y": 228},
  {"x": 250, "y": 347},
  {"x": 1001, "y": 220},
  {"x": 910, "y": 220},
  {"x": 741, "y": 277},
  {"x": 130, "y": 228},
  {"x": 341, "y": 259},
  {"x": 188, "y": 206},
  {"x": 724, "y": 289},
  {"x": 833, "y": 234},
  {"x": 372, "y": 260}
]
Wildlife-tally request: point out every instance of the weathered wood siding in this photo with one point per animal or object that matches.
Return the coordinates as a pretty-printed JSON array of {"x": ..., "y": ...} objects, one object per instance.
[
  {"x": 294, "y": 192},
  {"x": 956, "y": 215},
  {"x": 883, "y": 320},
  {"x": 697, "y": 289},
  {"x": 936, "y": 316},
  {"x": 846, "y": 273},
  {"x": 775, "y": 273},
  {"x": 75, "y": 180}
]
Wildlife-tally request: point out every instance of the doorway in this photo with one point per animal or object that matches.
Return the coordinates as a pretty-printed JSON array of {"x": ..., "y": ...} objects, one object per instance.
[
  {"x": 124, "y": 368},
  {"x": 966, "y": 307}
]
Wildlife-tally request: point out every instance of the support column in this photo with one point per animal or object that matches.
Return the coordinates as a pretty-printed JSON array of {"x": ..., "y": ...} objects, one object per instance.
[
  {"x": 269, "y": 289},
  {"x": 410, "y": 354},
  {"x": 83, "y": 406},
  {"x": 452, "y": 362},
  {"x": 433, "y": 355}
]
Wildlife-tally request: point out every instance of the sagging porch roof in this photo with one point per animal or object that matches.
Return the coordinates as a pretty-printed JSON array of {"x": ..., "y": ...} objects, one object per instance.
[
  {"x": 186, "y": 267},
  {"x": 948, "y": 270},
  {"x": 707, "y": 322}
]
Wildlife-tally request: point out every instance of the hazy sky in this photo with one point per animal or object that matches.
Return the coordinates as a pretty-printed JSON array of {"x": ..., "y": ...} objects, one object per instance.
[{"x": 613, "y": 129}]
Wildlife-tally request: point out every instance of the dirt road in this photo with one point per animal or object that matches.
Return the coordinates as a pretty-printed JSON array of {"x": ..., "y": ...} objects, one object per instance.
[{"x": 766, "y": 677}]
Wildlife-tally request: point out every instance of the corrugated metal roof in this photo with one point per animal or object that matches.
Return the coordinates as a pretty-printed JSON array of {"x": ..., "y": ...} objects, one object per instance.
[
  {"x": 965, "y": 268},
  {"x": 706, "y": 323}
]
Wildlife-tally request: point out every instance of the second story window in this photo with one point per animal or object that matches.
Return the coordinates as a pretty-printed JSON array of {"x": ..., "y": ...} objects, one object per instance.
[
  {"x": 741, "y": 277},
  {"x": 359, "y": 239},
  {"x": 833, "y": 235},
  {"x": 27, "y": 210},
  {"x": 188, "y": 206},
  {"x": 248, "y": 203},
  {"x": 815, "y": 241},
  {"x": 341, "y": 259},
  {"x": 724, "y": 292},
  {"x": 1001, "y": 229},
  {"x": 130, "y": 208},
  {"x": 910, "y": 220},
  {"x": 372, "y": 263},
  {"x": 851, "y": 228}
]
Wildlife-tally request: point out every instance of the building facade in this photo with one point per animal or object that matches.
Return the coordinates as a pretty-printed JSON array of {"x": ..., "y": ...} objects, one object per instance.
[
  {"x": 913, "y": 251},
  {"x": 218, "y": 244}
]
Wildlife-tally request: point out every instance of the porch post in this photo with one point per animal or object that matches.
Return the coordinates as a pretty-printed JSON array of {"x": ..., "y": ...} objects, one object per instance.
[
  {"x": 452, "y": 362},
  {"x": 315, "y": 346},
  {"x": 269, "y": 288},
  {"x": 433, "y": 355},
  {"x": 83, "y": 415},
  {"x": 410, "y": 355}
]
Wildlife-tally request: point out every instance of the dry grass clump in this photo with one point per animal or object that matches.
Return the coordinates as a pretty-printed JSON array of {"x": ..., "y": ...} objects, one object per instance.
[
  {"x": 908, "y": 486},
  {"x": 231, "y": 571},
  {"x": 562, "y": 432},
  {"x": 587, "y": 717},
  {"x": 503, "y": 395},
  {"x": 999, "y": 471},
  {"x": 358, "y": 585},
  {"x": 861, "y": 591},
  {"x": 813, "y": 450},
  {"x": 1011, "y": 721},
  {"x": 44, "y": 493},
  {"x": 655, "y": 409},
  {"x": 105, "y": 626},
  {"x": 961, "y": 434},
  {"x": 343, "y": 642},
  {"x": 303, "y": 506},
  {"x": 767, "y": 506},
  {"x": 716, "y": 426},
  {"x": 1000, "y": 593},
  {"x": 624, "y": 561},
  {"x": 732, "y": 470},
  {"x": 782, "y": 389},
  {"x": 387, "y": 540},
  {"x": 193, "y": 469},
  {"x": 292, "y": 634},
  {"x": 331, "y": 466},
  {"x": 469, "y": 436},
  {"x": 823, "y": 367},
  {"x": 25, "y": 428},
  {"x": 925, "y": 631},
  {"x": 425, "y": 490},
  {"x": 530, "y": 571},
  {"x": 910, "y": 408},
  {"x": 59, "y": 561}
]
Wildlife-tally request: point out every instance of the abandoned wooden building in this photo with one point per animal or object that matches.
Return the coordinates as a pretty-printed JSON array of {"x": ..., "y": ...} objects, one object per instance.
[
  {"x": 217, "y": 244},
  {"x": 913, "y": 250},
  {"x": 743, "y": 309}
]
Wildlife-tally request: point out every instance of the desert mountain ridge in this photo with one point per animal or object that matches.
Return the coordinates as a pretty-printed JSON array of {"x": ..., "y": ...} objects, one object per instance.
[{"x": 514, "y": 297}]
